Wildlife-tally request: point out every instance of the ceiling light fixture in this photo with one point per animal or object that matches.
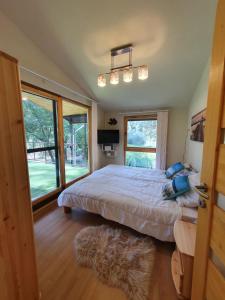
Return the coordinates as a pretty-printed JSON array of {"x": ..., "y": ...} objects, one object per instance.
[{"x": 127, "y": 70}]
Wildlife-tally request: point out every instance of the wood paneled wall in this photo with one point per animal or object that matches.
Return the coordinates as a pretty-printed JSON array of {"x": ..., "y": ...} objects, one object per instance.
[{"x": 18, "y": 272}]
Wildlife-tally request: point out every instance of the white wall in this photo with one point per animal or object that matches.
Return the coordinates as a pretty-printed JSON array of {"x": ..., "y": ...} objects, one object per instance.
[
  {"x": 14, "y": 42},
  {"x": 97, "y": 123},
  {"x": 194, "y": 150},
  {"x": 177, "y": 131},
  {"x": 119, "y": 153}
]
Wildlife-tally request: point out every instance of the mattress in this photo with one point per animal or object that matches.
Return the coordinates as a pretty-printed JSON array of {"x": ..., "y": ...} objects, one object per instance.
[{"x": 129, "y": 196}]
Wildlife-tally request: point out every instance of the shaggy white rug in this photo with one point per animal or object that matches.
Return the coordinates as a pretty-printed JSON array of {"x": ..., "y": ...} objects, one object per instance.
[{"x": 121, "y": 258}]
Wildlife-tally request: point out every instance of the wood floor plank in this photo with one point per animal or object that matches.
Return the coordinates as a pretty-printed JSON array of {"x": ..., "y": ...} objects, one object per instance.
[{"x": 61, "y": 278}]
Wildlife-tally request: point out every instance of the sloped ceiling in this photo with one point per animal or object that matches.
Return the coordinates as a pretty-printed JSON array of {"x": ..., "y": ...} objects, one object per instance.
[{"x": 172, "y": 37}]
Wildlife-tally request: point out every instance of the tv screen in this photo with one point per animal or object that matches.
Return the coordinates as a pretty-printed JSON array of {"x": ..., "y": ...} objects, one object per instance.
[{"x": 108, "y": 136}]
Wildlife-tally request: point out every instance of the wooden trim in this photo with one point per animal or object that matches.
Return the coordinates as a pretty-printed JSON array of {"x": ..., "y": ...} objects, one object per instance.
[
  {"x": 30, "y": 88},
  {"x": 46, "y": 196},
  {"x": 220, "y": 178},
  {"x": 210, "y": 153},
  {"x": 136, "y": 149},
  {"x": 19, "y": 278},
  {"x": 141, "y": 117},
  {"x": 223, "y": 118},
  {"x": 217, "y": 234},
  {"x": 61, "y": 141},
  {"x": 9, "y": 57},
  {"x": 44, "y": 210},
  {"x": 215, "y": 283},
  {"x": 90, "y": 160}
]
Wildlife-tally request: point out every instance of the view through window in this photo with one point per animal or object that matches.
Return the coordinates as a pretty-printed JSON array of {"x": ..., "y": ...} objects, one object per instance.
[
  {"x": 45, "y": 134},
  {"x": 75, "y": 123},
  {"x": 40, "y": 118},
  {"x": 140, "y": 141}
]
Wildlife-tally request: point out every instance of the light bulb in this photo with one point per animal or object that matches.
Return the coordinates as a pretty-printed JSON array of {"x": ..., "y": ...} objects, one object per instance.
[
  {"x": 143, "y": 72},
  {"x": 114, "y": 77},
  {"x": 101, "y": 80},
  {"x": 128, "y": 75}
]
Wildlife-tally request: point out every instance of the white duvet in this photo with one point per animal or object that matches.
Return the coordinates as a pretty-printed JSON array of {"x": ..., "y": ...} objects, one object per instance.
[{"x": 129, "y": 196}]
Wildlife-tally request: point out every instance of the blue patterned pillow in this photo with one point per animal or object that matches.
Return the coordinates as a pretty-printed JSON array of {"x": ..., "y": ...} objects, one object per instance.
[
  {"x": 175, "y": 168},
  {"x": 178, "y": 186}
]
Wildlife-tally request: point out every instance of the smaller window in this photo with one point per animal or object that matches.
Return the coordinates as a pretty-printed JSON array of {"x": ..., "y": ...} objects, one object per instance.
[{"x": 140, "y": 141}]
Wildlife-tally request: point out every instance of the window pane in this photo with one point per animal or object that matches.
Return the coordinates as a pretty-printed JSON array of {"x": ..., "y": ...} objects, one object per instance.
[
  {"x": 42, "y": 173},
  {"x": 141, "y": 159},
  {"x": 142, "y": 133},
  {"x": 41, "y": 132},
  {"x": 38, "y": 119},
  {"x": 75, "y": 122}
]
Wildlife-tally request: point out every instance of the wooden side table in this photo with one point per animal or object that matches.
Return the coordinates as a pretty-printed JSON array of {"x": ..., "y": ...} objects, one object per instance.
[{"x": 183, "y": 257}]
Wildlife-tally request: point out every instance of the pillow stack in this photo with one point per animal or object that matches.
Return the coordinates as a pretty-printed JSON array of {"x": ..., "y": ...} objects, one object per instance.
[
  {"x": 177, "y": 187},
  {"x": 180, "y": 188}
]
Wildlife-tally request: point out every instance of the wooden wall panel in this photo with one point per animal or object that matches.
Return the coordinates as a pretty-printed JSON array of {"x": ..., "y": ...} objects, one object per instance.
[
  {"x": 215, "y": 284},
  {"x": 218, "y": 233},
  {"x": 223, "y": 117},
  {"x": 18, "y": 272},
  {"x": 215, "y": 105},
  {"x": 220, "y": 178}
]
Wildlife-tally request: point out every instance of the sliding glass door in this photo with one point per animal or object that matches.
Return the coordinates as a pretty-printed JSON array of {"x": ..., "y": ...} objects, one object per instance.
[
  {"x": 40, "y": 119},
  {"x": 140, "y": 141},
  {"x": 57, "y": 140},
  {"x": 76, "y": 154}
]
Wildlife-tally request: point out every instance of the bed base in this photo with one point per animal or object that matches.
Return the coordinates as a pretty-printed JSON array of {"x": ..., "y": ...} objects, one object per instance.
[{"x": 67, "y": 210}]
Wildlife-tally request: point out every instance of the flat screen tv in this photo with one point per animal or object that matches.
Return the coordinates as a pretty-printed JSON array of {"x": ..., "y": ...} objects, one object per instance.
[{"x": 108, "y": 137}]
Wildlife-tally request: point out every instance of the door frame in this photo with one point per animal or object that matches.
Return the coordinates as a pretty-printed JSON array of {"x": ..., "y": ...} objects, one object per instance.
[{"x": 215, "y": 107}]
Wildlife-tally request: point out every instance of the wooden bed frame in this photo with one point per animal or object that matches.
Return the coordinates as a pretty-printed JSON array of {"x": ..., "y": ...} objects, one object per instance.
[{"x": 67, "y": 209}]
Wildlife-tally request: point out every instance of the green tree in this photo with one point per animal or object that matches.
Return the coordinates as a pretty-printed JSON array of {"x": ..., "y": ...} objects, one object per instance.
[{"x": 39, "y": 127}]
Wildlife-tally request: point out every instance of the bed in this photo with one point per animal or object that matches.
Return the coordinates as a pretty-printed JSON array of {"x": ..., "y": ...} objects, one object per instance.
[{"x": 129, "y": 196}]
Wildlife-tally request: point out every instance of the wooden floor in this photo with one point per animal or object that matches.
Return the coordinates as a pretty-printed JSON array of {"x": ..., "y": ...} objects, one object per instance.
[{"x": 61, "y": 278}]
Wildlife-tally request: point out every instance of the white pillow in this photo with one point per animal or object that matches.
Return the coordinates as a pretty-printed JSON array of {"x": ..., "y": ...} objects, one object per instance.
[
  {"x": 194, "y": 179},
  {"x": 190, "y": 199}
]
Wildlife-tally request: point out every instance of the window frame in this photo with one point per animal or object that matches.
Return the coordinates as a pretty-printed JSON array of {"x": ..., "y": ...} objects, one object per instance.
[
  {"x": 66, "y": 184},
  {"x": 30, "y": 88},
  {"x": 137, "y": 149}
]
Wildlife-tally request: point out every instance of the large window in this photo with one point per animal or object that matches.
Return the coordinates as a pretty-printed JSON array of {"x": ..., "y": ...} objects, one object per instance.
[
  {"x": 140, "y": 141},
  {"x": 57, "y": 135},
  {"x": 40, "y": 118},
  {"x": 75, "y": 123}
]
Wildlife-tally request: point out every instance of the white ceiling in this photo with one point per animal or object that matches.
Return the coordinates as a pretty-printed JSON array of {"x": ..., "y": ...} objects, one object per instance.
[{"x": 172, "y": 37}]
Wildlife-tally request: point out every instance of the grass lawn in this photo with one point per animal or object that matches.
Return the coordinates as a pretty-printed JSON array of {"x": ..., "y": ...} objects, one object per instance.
[
  {"x": 43, "y": 176},
  {"x": 141, "y": 159}
]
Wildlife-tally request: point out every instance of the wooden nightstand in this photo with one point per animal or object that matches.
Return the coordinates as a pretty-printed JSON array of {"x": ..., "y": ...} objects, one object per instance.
[{"x": 183, "y": 257}]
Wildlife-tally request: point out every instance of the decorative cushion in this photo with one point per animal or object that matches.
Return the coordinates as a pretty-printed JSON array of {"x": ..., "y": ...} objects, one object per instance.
[
  {"x": 178, "y": 186},
  {"x": 175, "y": 168},
  {"x": 191, "y": 198}
]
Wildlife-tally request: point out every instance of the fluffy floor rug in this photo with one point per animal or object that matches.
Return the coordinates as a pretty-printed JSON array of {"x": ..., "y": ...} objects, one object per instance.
[{"x": 120, "y": 257}]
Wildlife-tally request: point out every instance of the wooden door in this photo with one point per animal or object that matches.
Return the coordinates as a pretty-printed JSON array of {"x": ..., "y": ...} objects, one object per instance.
[
  {"x": 209, "y": 263},
  {"x": 18, "y": 272}
]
